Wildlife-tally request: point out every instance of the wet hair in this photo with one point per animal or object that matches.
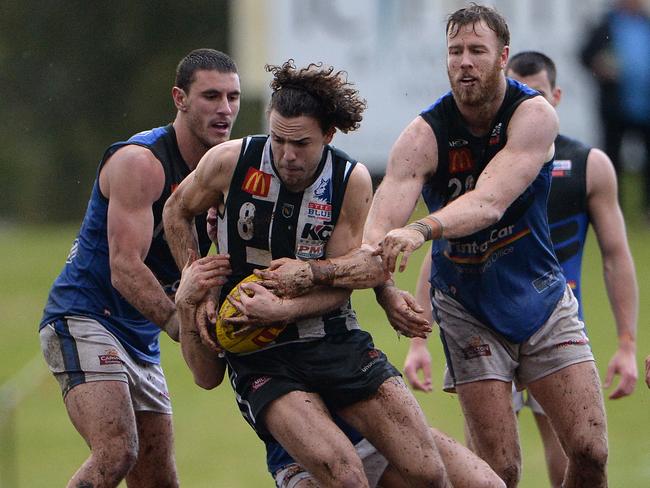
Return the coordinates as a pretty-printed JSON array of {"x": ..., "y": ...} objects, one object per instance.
[
  {"x": 317, "y": 92},
  {"x": 472, "y": 15},
  {"x": 529, "y": 63},
  {"x": 202, "y": 59}
]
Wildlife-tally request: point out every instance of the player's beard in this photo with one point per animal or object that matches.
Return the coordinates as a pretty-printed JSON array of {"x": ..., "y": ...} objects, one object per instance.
[{"x": 484, "y": 89}]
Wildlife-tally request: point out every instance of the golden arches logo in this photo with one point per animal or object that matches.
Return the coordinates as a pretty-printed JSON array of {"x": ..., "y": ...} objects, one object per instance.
[{"x": 257, "y": 182}]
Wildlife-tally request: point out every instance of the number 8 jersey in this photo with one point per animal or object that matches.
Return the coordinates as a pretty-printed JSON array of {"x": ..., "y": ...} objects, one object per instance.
[{"x": 263, "y": 220}]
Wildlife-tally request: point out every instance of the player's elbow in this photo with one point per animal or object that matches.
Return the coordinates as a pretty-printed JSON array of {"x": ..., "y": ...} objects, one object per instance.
[
  {"x": 491, "y": 212},
  {"x": 207, "y": 383},
  {"x": 208, "y": 380},
  {"x": 121, "y": 270},
  {"x": 170, "y": 212}
]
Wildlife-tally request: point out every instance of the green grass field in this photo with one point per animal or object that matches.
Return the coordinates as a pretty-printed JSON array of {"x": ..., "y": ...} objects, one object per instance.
[{"x": 214, "y": 445}]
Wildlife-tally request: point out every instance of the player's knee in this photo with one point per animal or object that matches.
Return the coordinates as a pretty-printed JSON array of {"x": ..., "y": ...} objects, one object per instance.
[
  {"x": 510, "y": 473},
  {"x": 343, "y": 472},
  {"x": 119, "y": 454},
  {"x": 434, "y": 475},
  {"x": 590, "y": 456},
  {"x": 489, "y": 481}
]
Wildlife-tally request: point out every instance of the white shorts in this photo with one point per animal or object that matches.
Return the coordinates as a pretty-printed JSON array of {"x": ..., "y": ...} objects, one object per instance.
[
  {"x": 475, "y": 352},
  {"x": 80, "y": 350},
  {"x": 374, "y": 464}
]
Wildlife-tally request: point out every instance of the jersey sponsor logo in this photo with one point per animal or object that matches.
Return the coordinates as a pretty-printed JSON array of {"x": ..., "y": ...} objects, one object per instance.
[
  {"x": 561, "y": 168},
  {"x": 287, "y": 210},
  {"x": 323, "y": 190},
  {"x": 308, "y": 250},
  {"x": 479, "y": 252},
  {"x": 317, "y": 232},
  {"x": 460, "y": 160},
  {"x": 458, "y": 143},
  {"x": 495, "y": 135},
  {"x": 476, "y": 349},
  {"x": 110, "y": 356},
  {"x": 545, "y": 281},
  {"x": 257, "y": 182},
  {"x": 320, "y": 211}
]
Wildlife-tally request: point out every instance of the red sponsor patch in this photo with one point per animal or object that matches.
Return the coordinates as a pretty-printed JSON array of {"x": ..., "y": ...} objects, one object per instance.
[
  {"x": 573, "y": 342},
  {"x": 460, "y": 160},
  {"x": 477, "y": 350},
  {"x": 373, "y": 353},
  {"x": 260, "y": 382},
  {"x": 111, "y": 356},
  {"x": 256, "y": 182},
  {"x": 321, "y": 211}
]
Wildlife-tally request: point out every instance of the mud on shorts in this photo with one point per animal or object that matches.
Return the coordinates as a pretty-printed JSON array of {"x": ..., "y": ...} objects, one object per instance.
[
  {"x": 80, "y": 350},
  {"x": 475, "y": 352},
  {"x": 342, "y": 368},
  {"x": 374, "y": 464}
]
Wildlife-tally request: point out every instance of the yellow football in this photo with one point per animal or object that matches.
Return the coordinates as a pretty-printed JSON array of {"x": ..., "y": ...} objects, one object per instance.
[{"x": 253, "y": 340}]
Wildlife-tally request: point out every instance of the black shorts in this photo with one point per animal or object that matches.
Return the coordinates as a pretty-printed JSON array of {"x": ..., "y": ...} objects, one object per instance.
[{"x": 343, "y": 369}]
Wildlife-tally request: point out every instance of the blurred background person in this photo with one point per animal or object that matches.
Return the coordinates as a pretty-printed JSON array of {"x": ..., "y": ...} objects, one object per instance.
[{"x": 617, "y": 52}]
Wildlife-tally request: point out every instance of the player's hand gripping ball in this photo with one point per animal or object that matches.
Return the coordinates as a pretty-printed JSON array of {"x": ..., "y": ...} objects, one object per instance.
[{"x": 254, "y": 340}]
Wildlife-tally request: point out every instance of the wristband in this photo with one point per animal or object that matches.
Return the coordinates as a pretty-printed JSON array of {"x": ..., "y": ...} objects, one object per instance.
[
  {"x": 323, "y": 272},
  {"x": 424, "y": 226},
  {"x": 438, "y": 233}
]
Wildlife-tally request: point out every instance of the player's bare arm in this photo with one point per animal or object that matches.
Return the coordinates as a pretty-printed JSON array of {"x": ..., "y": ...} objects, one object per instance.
[
  {"x": 260, "y": 307},
  {"x": 132, "y": 180},
  {"x": 618, "y": 268},
  {"x": 531, "y": 133},
  {"x": 198, "y": 277},
  {"x": 412, "y": 160},
  {"x": 205, "y": 187}
]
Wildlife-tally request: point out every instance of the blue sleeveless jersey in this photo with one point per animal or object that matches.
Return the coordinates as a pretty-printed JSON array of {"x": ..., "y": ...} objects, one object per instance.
[
  {"x": 568, "y": 215},
  {"x": 506, "y": 275},
  {"x": 84, "y": 285}
]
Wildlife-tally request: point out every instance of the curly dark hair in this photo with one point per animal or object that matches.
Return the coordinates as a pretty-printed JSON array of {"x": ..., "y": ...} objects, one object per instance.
[{"x": 318, "y": 92}]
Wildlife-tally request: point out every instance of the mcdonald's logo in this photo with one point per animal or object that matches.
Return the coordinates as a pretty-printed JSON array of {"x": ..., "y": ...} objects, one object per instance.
[
  {"x": 257, "y": 182},
  {"x": 460, "y": 160}
]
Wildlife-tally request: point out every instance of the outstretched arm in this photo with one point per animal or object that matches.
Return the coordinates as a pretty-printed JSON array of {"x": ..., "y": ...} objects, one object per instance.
[
  {"x": 531, "y": 133},
  {"x": 618, "y": 269}
]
